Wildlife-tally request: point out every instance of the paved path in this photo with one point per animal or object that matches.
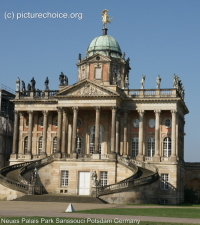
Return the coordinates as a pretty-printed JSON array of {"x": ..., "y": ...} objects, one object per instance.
[{"x": 56, "y": 209}]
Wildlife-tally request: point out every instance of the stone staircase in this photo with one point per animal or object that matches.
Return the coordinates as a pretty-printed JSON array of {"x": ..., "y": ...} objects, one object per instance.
[
  {"x": 61, "y": 198},
  {"x": 12, "y": 176},
  {"x": 143, "y": 174}
]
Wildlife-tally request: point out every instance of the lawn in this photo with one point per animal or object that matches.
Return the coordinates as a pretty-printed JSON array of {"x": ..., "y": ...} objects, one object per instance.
[{"x": 157, "y": 212}]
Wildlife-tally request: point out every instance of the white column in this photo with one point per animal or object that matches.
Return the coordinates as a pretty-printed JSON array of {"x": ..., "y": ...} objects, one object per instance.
[
  {"x": 64, "y": 130},
  {"x": 44, "y": 138},
  {"x": 113, "y": 129},
  {"x": 157, "y": 133},
  {"x": 125, "y": 132},
  {"x": 74, "y": 129},
  {"x": 59, "y": 129},
  {"x": 16, "y": 132},
  {"x": 97, "y": 126},
  {"x": 141, "y": 134},
  {"x": 173, "y": 136},
  {"x": 30, "y": 128}
]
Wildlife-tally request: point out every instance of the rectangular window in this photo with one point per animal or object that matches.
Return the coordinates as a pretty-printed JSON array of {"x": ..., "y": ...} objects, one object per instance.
[
  {"x": 164, "y": 182},
  {"x": 98, "y": 73},
  {"x": 64, "y": 178},
  {"x": 103, "y": 178}
]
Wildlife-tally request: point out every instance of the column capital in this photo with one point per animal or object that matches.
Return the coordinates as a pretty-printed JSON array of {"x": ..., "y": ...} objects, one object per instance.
[
  {"x": 157, "y": 112},
  {"x": 30, "y": 112},
  {"x": 59, "y": 109},
  {"x": 97, "y": 108},
  {"x": 16, "y": 112},
  {"x": 113, "y": 108},
  {"x": 141, "y": 113},
  {"x": 75, "y": 108},
  {"x": 173, "y": 111},
  {"x": 45, "y": 112}
]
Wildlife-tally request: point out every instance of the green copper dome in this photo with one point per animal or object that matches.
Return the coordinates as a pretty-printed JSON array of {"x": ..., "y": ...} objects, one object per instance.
[{"x": 105, "y": 45}]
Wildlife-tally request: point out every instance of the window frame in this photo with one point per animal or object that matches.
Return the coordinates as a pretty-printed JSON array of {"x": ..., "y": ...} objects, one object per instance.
[
  {"x": 164, "y": 181},
  {"x": 64, "y": 178}
]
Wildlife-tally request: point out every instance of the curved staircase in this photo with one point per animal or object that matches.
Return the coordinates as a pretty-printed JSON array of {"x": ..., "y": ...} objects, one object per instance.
[
  {"x": 15, "y": 176},
  {"x": 12, "y": 176},
  {"x": 143, "y": 174}
]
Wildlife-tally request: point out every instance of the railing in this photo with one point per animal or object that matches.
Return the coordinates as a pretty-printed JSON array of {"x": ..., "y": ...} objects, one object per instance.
[
  {"x": 37, "y": 94},
  {"x": 154, "y": 93},
  {"x": 31, "y": 165},
  {"x": 132, "y": 181},
  {"x": 22, "y": 184}
]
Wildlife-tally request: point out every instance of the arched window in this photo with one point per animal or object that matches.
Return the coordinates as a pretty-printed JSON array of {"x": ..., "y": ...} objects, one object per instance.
[
  {"x": 92, "y": 139},
  {"x": 78, "y": 145},
  {"x": 134, "y": 146},
  {"x": 150, "y": 147},
  {"x": 40, "y": 145},
  {"x": 25, "y": 144},
  {"x": 54, "y": 144},
  {"x": 167, "y": 147}
]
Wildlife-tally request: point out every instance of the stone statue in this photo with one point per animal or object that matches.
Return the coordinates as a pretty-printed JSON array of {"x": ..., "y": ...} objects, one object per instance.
[
  {"x": 23, "y": 87},
  {"x": 158, "y": 81},
  {"x": 94, "y": 178},
  {"x": 18, "y": 84},
  {"x": 29, "y": 87},
  {"x": 123, "y": 55},
  {"x": 33, "y": 84},
  {"x": 79, "y": 56},
  {"x": 65, "y": 80},
  {"x": 175, "y": 81},
  {"x": 61, "y": 79},
  {"x": 105, "y": 18},
  {"x": 142, "y": 81},
  {"x": 46, "y": 83},
  {"x": 126, "y": 83}
]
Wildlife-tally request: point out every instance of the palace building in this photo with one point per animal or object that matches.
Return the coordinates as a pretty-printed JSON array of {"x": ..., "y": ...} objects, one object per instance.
[{"x": 99, "y": 137}]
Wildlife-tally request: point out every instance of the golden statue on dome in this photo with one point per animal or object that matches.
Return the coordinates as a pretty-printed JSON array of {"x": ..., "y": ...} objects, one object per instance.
[{"x": 105, "y": 18}]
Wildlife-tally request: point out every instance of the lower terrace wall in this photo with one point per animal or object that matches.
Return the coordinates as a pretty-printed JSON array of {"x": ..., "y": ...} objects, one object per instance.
[{"x": 9, "y": 194}]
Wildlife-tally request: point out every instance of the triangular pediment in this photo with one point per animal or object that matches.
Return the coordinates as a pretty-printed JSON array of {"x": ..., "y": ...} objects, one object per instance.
[{"x": 87, "y": 88}]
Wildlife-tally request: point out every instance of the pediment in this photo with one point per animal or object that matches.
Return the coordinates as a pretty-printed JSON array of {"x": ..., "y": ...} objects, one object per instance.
[
  {"x": 98, "y": 58},
  {"x": 87, "y": 88}
]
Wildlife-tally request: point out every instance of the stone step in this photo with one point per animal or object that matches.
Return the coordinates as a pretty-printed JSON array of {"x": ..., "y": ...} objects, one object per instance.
[{"x": 61, "y": 198}]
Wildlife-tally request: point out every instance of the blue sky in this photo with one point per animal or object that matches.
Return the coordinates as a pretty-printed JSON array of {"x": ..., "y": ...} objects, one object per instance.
[{"x": 160, "y": 37}]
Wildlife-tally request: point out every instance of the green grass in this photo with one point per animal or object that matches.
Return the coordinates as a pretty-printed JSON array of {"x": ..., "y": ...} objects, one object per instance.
[
  {"x": 157, "y": 212},
  {"x": 53, "y": 221}
]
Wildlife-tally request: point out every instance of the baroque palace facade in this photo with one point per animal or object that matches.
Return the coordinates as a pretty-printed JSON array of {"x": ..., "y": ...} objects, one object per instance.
[{"x": 98, "y": 137}]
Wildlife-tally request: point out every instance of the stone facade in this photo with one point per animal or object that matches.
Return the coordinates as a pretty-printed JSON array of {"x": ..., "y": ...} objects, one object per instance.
[{"x": 86, "y": 126}]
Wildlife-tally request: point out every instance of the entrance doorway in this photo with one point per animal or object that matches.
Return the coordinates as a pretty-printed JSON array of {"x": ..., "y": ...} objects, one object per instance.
[{"x": 84, "y": 183}]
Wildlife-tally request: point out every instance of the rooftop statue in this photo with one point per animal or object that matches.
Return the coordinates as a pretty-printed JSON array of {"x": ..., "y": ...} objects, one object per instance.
[
  {"x": 18, "y": 84},
  {"x": 142, "y": 82},
  {"x": 158, "y": 81},
  {"x": 105, "y": 18},
  {"x": 46, "y": 83},
  {"x": 33, "y": 84}
]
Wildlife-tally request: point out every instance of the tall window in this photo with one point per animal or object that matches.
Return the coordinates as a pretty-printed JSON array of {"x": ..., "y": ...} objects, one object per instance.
[
  {"x": 134, "y": 146},
  {"x": 150, "y": 147},
  {"x": 92, "y": 139},
  {"x": 40, "y": 146},
  {"x": 78, "y": 145},
  {"x": 164, "y": 182},
  {"x": 98, "y": 73},
  {"x": 64, "y": 178},
  {"x": 103, "y": 178},
  {"x": 167, "y": 147},
  {"x": 25, "y": 144},
  {"x": 54, "y": 144}
]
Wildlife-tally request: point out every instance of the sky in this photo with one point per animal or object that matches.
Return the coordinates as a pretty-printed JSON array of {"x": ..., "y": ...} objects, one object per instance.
[{"x": 161, "y": 37}]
